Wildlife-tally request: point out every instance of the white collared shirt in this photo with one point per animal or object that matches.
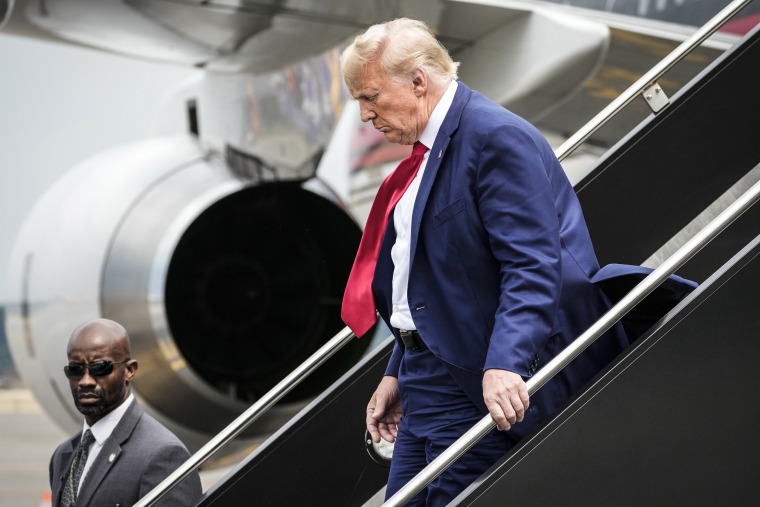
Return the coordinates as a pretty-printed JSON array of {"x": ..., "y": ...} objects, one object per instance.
[
  {"x": 401, "y": 316},
  {"x": 101, "y": 430}
]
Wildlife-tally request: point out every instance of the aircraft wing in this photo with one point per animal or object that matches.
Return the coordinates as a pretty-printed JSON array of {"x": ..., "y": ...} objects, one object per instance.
[
  {"x": 528, "y": 56},
  {"x": 504, "y": 46},
  {"x": 235, "y": 35}
]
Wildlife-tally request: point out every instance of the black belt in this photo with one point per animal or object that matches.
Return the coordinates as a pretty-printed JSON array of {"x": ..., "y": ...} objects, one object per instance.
[{"x": 412, "y": 340}]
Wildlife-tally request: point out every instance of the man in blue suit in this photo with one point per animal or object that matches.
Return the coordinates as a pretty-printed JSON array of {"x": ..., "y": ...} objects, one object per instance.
[{"x": 483, "y": 269}]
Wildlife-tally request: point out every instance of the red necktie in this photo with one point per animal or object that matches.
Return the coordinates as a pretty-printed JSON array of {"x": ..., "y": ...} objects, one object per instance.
[{"x": 359, "y": 312}]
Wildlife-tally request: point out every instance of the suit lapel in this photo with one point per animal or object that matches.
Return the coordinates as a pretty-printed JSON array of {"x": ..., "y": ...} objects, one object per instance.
[
  {"x": 109, "y": 454},
  {"x": 437, "y": 155},
  {"x": 98, "y": 470}
]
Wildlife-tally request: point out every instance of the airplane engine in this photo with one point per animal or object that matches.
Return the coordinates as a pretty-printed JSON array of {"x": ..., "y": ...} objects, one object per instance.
[{"x": 224, "y": 283}]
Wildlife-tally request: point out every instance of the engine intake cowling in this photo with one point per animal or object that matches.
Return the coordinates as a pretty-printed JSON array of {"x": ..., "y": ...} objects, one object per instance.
[{"x": 225, "y": 286}]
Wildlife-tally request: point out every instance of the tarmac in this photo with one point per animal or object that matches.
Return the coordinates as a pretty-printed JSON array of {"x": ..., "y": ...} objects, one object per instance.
[{"x": 28, "y": 438}]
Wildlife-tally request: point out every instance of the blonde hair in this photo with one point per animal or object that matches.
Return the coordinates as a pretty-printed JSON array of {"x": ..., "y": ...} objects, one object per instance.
[{"x": 399, "y": 46}]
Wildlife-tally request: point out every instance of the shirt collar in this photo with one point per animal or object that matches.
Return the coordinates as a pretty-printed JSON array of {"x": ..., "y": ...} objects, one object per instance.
[
  {"x": 439, "y": 114},
  {"x": 102, "y": 429}
]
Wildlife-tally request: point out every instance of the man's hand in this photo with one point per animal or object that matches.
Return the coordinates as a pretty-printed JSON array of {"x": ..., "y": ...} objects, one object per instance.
[
  {"x": 384, "y": 411},
  {"x": 506, "y": 397}
]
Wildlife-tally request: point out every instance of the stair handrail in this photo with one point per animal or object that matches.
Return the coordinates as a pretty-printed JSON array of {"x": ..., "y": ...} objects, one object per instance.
[
  {"x": 649, "y": 78},
  {"x": 346, "y": 335},
  {"x": 245, "y": 419}
]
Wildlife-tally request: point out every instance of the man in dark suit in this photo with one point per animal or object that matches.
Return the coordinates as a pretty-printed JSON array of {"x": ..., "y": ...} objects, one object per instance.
[
  {"x": 482, "y": 270},
  {"x": 130, "y": 452}
]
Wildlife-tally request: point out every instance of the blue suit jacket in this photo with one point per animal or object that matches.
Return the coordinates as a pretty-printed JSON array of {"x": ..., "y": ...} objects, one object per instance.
[{"x": 501, "y": 259}]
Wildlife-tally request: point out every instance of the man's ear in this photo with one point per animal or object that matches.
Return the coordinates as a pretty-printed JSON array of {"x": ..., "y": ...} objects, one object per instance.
[
  {"x": 131, "y": 369},
  {"x": 419, "y": 82}
]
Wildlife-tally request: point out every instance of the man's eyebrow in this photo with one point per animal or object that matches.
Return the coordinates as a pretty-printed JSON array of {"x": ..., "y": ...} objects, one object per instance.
[{"x": 365, "y": 94}]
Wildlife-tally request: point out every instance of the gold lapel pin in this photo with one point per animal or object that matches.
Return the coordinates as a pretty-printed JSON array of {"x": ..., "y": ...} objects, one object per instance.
[{"x": 112, "y": 457}]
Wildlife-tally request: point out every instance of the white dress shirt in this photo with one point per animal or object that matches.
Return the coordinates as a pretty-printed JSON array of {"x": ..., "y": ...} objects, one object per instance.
[
  {"x": 101, "y": 430},
  {"x": 401, "y": 316}
]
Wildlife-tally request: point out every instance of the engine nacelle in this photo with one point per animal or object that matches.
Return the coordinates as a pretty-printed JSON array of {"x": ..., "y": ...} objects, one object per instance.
[{"x": 224, "y": 284}]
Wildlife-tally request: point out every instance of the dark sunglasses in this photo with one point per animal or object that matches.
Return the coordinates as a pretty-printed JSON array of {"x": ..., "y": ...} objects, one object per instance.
[{"x": 75, "y": 371}]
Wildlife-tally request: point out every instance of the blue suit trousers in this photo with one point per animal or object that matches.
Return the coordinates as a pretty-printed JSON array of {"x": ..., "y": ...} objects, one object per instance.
[{"x": 436, "y": 412}]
